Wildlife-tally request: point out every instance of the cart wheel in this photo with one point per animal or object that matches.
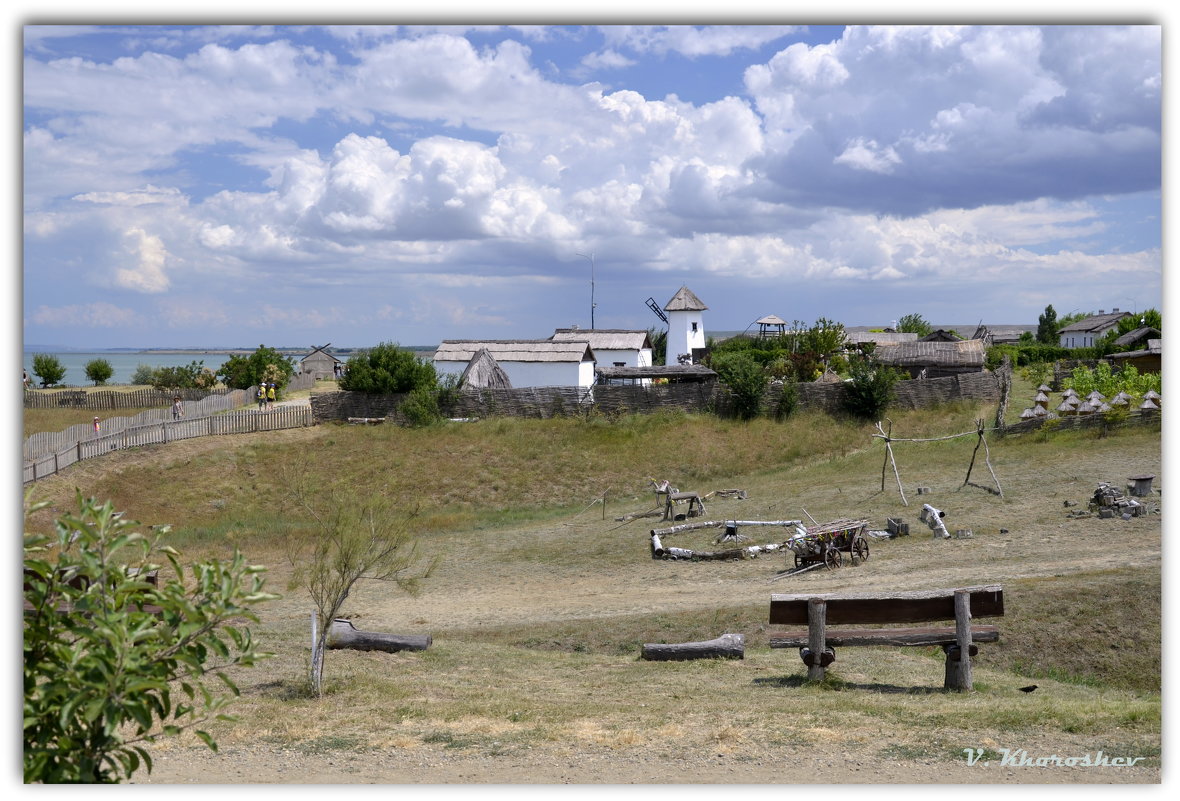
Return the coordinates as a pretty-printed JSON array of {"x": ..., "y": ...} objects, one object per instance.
[
  {"x": 832, "y": 558},
  {"x": 860, "y": 550},
  {"x": 798, "y": 561}
]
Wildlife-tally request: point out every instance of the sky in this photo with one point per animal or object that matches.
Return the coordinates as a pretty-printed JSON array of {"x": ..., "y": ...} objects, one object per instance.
[{"x": 206, "y": 185}]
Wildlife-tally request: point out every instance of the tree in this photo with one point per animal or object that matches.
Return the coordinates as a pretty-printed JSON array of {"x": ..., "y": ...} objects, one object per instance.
[
  {"x": 48, "y": 368},
  {"x": 387, "y": 369},
  {"x": 99, "y": 371},
  {"x": 825, "y": 337},
  {"x": 659, "y": 344},
  {"x": 189, "y": 376},
  {"x": 869, "y": 390},
  {"x": 745, "y": 378},
  {"x": 113, "y": 659},
  {"x": 264, "y": 364},
  {"x": 1047, "y": 326},
  {"x": 347, "y": 537},
  {"x": 914, "y": 324},
  {"x": 142, "y": 374}
]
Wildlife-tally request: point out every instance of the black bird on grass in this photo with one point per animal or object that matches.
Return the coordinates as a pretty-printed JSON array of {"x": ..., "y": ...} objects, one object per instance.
[{"x": 1028, "y": 689}]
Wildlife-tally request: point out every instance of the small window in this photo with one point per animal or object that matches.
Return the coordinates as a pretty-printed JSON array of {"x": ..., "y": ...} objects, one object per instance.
[{"x": 694, "y": 328}]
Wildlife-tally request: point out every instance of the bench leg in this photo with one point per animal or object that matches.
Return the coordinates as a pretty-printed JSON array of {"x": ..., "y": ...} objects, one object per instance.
[
  {"x": 817, "y": 616},
  {"x": 958, "y": 656}
]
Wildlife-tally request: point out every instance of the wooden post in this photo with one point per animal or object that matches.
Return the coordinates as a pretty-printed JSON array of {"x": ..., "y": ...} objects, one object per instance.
[
  {"x": 958, "y": 671},
  {"x": 817, "y": 614}
]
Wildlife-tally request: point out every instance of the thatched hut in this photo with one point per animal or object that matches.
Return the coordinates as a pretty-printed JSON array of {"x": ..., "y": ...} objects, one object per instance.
[
  {"x": 483, "y": 371},
  {"x": 936, "y": 358}
]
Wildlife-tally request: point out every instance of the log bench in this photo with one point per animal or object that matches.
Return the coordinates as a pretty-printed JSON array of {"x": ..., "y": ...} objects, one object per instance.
[
  {"x": 817, "y": 642},
  {"x": 696, "y": 506}
]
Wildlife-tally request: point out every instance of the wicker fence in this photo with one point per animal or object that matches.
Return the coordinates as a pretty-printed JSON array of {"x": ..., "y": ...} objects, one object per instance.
[
  {"x": 244, "y": 421},
  {"x": 539, "y": 402}
]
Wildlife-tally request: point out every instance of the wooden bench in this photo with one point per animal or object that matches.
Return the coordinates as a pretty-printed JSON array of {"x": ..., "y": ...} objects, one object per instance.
[{"x": 817, "y": 643}]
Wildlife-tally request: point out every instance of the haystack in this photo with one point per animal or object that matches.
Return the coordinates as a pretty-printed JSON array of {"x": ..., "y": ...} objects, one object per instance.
[{"x": 483, "y": 371}]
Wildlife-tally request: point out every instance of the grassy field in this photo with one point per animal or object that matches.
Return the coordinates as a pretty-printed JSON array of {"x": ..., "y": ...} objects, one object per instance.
[{"x": 542, "y": 598}]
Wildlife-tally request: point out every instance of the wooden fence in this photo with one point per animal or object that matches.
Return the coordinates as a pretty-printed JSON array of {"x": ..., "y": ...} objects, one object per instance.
[
  {"x": 111, "y": 399},
  {"x": 243, "y": 421}
]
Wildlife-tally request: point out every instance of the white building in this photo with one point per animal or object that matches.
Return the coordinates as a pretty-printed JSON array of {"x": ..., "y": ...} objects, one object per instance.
[
  {"x": 527, "y": 362},
  {"x": 1084, "y": 333},
  {"x": 686, "y": 325},
  {"x": 612, "y": 347}
]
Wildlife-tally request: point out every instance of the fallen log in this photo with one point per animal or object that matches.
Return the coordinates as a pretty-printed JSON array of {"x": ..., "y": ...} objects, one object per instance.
[
  {"x": 727, "y": 646},
  {"x": 343, "y": 634}
]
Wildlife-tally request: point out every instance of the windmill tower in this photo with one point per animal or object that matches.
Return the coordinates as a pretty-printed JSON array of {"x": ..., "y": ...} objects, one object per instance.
[{"x": 686, "y": 326}]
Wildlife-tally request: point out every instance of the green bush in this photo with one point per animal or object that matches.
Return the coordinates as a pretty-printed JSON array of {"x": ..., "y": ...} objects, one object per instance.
[
  {"x": 387, "y": 369},
  {"x": 112, "y": 660},
  {"x": 142, "y": 374},
  {"x": 264, "y": 364},
  {"x": 869, "y": 390},
  {"x": 788, "y": 400},
  {"x": 420, "y": 408},
  {"x": 746, "y": 380}
]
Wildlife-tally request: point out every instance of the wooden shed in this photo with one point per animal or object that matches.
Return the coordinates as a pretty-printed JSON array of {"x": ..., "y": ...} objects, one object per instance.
[{"x": 320, "y": 363}]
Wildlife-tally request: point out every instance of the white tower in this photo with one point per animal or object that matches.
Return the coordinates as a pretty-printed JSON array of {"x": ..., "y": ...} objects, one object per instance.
[{"x": 686, "y": 326}]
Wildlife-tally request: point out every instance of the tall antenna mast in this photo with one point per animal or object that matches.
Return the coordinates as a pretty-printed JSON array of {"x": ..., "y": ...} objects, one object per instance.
[{"x": 592, "y": 303}]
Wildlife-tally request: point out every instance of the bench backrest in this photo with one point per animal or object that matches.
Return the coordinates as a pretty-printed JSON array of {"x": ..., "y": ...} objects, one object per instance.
[{"x": 921, "y": 606}]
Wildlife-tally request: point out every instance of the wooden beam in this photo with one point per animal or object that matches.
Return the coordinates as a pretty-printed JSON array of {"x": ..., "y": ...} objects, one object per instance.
[
  {"x": 343, "y": 634},
  {"x": 920, "y": 606},
  {"x": 894, "y": 637}
]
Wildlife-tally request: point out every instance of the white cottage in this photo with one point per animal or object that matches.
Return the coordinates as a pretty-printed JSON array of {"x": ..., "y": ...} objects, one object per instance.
[
  {"x": 612, "y": 347},
  {"x": 527, "y": 362},
  {"x": 686, "y": 325},
  {"x": 1085, "y": 333}
]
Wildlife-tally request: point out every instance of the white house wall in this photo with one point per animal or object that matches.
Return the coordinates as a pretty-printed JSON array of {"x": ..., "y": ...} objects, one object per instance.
[
  {"x": 534, "y": 374},
  {"x": 686, "y": 330}
]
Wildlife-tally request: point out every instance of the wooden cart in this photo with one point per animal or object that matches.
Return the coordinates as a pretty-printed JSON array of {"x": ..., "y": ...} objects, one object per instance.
[{"x": 827, "y": 542}]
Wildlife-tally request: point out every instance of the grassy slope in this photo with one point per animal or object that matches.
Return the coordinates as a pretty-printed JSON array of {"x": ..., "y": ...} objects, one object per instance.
[{"x": 494, "y": 497}]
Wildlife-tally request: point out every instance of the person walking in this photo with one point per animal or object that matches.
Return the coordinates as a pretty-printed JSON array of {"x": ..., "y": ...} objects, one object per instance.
[
  {"x": 270, "y": 397},
  {"x": 261, "y": 396},
  {"x": 97, "y": 427},
  {"x": 177, "y": 408}
]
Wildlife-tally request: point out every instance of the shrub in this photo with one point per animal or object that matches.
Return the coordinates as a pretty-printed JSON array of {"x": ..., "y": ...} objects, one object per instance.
[
  {"x": 112, "y": 660},
  {"x": 788, "y": 401},
  {"x": 48, "y": 368},
  {"x": 420, "y": 408},
  {"x": 264, "y": 364},
  {"x": 869, "y": 390},
  {"x": 746, "y": 381},
  {"x": 99, "y": 371},
  {"x": 142, "y": 374},
  {"x": 387, "y": 369}
]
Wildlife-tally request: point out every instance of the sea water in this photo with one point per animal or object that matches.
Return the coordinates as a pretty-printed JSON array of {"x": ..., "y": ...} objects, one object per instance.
[{"x": 124, "y": 364}]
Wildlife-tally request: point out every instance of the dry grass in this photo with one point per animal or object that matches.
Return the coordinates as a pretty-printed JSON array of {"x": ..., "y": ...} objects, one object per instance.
[{"x": 539, "y": 605}]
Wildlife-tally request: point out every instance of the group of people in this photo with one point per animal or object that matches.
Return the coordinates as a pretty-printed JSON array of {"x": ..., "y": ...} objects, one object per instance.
[{"x": 265, "y": 397}]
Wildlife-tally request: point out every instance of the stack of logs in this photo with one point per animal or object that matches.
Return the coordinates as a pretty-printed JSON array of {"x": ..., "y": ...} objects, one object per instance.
[{"x": 1108, "y": 501}]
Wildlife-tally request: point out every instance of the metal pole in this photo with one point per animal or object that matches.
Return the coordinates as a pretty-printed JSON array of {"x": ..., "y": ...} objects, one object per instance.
[{"x": 592, "y": 303}]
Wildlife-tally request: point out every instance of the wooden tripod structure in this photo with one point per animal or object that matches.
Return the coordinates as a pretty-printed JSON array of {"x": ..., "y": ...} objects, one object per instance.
[{"x": 981, "y": 441}]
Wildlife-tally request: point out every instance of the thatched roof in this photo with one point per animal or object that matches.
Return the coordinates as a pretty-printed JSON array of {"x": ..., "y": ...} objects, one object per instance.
[
  {"x": 515, "y": 350},
  {"x": 879, "y": 337},
  {"x": 771, "y": 319},
  {"x": 966, "y": 353},
  {"x": 685, "y": 300},
  {"x": 604, "y": 338},
  {"x": 1132, "y": 337},
  {"x": 484, "y": 371},
  {"x": 1095, "y": 323}
]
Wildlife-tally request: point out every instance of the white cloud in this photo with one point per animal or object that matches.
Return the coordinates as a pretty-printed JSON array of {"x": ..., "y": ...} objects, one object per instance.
[
  {"x": 99, "y": 314},
  {"x": 148, "y": 254},
  {"x": 862, "y": 154}
]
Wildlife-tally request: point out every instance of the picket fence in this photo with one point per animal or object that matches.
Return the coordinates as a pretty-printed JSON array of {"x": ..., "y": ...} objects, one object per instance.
[
  {"x": 48, "y": 452},
  {"x": 243, "y": 421}
]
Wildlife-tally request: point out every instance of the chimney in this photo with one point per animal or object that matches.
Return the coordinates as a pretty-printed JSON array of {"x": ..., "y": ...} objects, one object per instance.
[
  {"x": 1102, "y": 311},
  {"x": 1115, "y": 310}
]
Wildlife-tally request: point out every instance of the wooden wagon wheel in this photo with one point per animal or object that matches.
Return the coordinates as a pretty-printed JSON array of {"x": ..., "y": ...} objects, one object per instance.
[
  {"x": 860, "y": 549},
  {"x": 832, "y": 557},
  {"x": 799, "y": 561}
]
